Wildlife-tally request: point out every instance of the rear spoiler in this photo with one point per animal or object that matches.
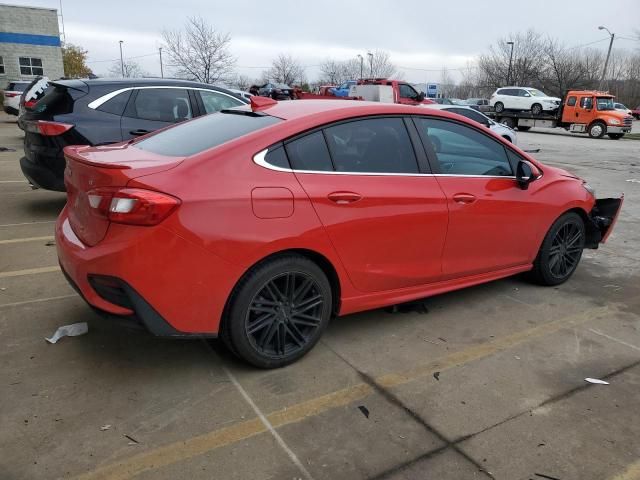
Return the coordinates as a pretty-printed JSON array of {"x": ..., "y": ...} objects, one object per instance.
[{"x": 73, "y": 84}]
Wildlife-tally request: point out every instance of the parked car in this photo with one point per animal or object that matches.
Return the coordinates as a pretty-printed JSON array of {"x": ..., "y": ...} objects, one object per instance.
[
  {"x": 472, "y": 114},
  {"x": 277, "y": 91},
  {"x": 443, "y": 101},
  {"x": 343, "y": 90},
  {"x": 241, "y": 93},
  {"x": 479, "y": 104},
  {"x": 621, "y": 108},
  {"x": 523, "y": 98},
  {"x": 98, "y": 112},
  {"x": 281, "y": 216},
  {"x": 11, "y": 95},
  {"x": 636, "y": 112}
]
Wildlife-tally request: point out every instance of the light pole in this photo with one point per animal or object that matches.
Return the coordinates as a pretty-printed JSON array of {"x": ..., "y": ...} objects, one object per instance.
[
  {"x": 606, "y": 62},
  {"x": 510, "y": 62},
  {"x": 361, "y": 64},
  {"x": 161, "y": 72},
  {"x": 121, "y": 59},
  {"x": 370, "y": 55}
]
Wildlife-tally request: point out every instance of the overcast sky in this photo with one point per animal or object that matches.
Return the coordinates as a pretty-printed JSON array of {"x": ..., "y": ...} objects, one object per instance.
[{"x": 418, "y": 35}]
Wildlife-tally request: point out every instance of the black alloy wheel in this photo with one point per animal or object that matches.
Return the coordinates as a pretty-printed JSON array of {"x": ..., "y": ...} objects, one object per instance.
[
  {"x": 278, "y": 311},
  {"x": 561, "y": 250}
]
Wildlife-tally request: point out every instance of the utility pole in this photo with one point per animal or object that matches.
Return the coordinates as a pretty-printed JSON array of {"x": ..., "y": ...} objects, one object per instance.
[
  {"x": 370, "y": 55},
  {"x": 64, "y": 35},
  {"x": 361, "y": 65},
  {"x": 161, "y": 72},
  {"x": 510, "y": 62},
  {"x": 606, "y": 62},
  {"x": 121, "y": 59}
]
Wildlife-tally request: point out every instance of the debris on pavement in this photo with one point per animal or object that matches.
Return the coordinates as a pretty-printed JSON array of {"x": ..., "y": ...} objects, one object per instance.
[
  {"x": 73, "y": 330},
  {"x": 105, "y": 428},
  {"x": 596, "y": 381},
  {"x": 532, "y": 150},
  {"x": 436, "y": 375},
  {"x": 364, "y": 410},
  {"x": 7, "y": 149},
  {"x": 542, "y": 475},
  {"x": 50, "y": 243},
  {"x": 633, "y": 180},
  {"x": 132, "y": 441},
  {"x": 418, "y": 306}
]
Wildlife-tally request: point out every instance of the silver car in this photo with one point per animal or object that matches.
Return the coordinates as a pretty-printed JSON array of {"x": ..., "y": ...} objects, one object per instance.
[{"x": 502, "y": 130}]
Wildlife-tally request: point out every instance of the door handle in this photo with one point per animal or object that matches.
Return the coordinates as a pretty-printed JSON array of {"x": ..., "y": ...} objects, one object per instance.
[
  {"x": 464, "y": 198},
  {"x": 139, "y": 132},
  {"x": 343, "y": 198}
]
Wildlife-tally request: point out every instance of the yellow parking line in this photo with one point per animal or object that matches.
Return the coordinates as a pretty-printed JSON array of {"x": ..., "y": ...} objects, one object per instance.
[
  {"x": 189, "y": 448},
  {"x": 29, "y": 271},
  {"x": 26, "y": 239},
  {"x": 632, "y": 472}
]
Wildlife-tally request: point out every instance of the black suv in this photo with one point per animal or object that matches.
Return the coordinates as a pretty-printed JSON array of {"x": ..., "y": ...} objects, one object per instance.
[{"x": 97, "y": 112}]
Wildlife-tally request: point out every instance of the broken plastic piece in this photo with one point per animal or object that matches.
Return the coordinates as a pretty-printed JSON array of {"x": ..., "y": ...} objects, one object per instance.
[
  {"x": 364, "y": 410},
  {"x": 596, "y": 381},
  {"x": 73, "y": 330}
]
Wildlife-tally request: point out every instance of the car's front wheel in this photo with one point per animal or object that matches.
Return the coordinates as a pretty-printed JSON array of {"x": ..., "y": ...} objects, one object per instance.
[
  {"x": 536, "y": 109},
  {"x": 560, "y": 251},
  {"x": 278, "y": 311}
]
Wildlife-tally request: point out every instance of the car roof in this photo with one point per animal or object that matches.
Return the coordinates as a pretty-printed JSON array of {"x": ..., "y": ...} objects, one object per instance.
[{"x": 133, "y": 82}]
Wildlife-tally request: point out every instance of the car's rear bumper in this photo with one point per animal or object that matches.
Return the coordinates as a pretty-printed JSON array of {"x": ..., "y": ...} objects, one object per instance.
[
  {"x": 41, "y": 176},
  {"x": 170, "y": 285}
]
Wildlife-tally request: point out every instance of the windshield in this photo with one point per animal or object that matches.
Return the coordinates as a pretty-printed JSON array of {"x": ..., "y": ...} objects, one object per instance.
[
  {"x": 604, "y": 103},
  {"x": 537, "y": 93}
]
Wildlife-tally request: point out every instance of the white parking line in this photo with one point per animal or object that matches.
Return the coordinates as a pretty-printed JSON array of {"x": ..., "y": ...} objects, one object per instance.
[
  {"x": 13, "y": 181},
  {"x": 26, "y": 239},
  {"x": 37, "y": 300},
  {"x": 621, "y": 342},
  {"x": 26, "y": 223},
  {"x": 29, "y": 271}
]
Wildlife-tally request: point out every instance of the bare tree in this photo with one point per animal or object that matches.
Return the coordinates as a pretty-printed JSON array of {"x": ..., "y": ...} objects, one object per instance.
[
  {"x": 446, "y": 82},
  {"x": 199, "y": 52},
  {"x": 131, "y": 69},
  {"x": 242, "y": 82},
  {"x": 380, "y": 65},
  {"x": 564, "y": 69},
  {"x": 336, "y": 72},
  {"x": 285, "y": 69}
]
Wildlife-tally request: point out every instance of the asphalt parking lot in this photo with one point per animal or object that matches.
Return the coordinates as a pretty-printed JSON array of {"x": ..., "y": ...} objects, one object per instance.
[{"x": 486, "y": 382}]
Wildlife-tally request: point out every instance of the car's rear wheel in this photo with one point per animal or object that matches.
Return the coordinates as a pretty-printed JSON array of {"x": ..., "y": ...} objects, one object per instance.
[
  {"x": 509, "y": 122},
  {"x": 499, "y": 107},
  {"x": 536, "y": 109},
  {"x": 597, "y": 130},
  {"x": 561, "y": 250},
  {"x": 278, "y": 311}
]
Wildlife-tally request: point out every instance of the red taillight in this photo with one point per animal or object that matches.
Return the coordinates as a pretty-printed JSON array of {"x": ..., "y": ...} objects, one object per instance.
[
  {"x": 30, "y": 103},
  {"x": 52, "y": 129},
  {"x": 11, "y": 94},
  {"x": 133, "y": 206}
]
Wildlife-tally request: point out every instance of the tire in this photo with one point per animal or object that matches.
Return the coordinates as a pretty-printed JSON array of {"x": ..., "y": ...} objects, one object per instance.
[
  {"x": 523, "y": 129},
  {"x": 507, "y": 138},
  {"x": 509, "y": 122},
  {"x": 561, "y": 251},
  {"x": 499, "y": 107},
  {"x": 597, "y": 130},
  {"x": 263, "y": 325},
  {"x": 615, "y": 136},
  {"x": 536, "y": 109}
]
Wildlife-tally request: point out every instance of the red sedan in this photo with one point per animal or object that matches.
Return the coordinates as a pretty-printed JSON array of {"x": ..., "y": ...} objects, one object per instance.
[{"x": 261, "y": 223}]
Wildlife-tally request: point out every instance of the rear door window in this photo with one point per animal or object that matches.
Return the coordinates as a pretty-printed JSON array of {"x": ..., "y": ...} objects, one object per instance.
[
  {"x": 571, "y": 101},
  {"x": 168, "y": 105},
  {"x": 380, "y": 145},
  {"x": 310, "y": 153},
  {"x": 215, "y": 101},
  {"x": 204, "y": 133}
]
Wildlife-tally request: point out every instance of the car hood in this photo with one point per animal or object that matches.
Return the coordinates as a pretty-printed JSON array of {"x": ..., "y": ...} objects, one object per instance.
[{"x": 561, "y": 172}]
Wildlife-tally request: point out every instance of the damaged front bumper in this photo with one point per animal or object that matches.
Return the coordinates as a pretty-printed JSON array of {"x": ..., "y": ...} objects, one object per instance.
[{"x": 602, "y": 218}]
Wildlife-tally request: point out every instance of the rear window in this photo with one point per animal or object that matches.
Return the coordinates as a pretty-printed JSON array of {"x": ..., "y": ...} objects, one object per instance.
[
  {"x": 56, "y": 101},
  {"x": 204, "y": 133},
  {"x": 17, "y": 86}
]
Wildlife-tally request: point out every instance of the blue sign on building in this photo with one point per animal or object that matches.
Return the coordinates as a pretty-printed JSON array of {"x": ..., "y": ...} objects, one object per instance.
[{"x": 432, "y": 90}]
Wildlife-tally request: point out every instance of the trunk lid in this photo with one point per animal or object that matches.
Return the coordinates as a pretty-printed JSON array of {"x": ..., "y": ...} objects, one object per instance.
[{"x": 90, "y": 169}]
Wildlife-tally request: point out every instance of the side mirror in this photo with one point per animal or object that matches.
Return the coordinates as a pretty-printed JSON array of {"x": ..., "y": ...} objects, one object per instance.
[
  {"x": 526, "y": 173},
  {"x": 420, "y": 97}
]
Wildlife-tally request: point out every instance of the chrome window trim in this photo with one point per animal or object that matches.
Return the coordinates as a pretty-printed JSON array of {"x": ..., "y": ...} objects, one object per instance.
[
  {"x": 105, "y": 98},
  {"x": 259, "y": 159}
]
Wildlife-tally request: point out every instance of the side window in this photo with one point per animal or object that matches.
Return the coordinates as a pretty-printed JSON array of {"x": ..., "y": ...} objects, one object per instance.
[
  {"x": 571, "y": 101},
  {"x": 376, "y": 145},
  {"x": 310, "y": 153},
  {"x": 523, "y": 93},
  {"x": 277, "y": 157},
  {"x": 461, "y": 150},
  {"x": 502, "y": 91},
  {"x": 116, "y": 104},
  {"x": 586, "y": 103},
  {"x": 470, "y": 114},
  {"x": 162, "y": 105},
  {"x": 407, "y": 91},
  {"x": 214, "y": 101}
]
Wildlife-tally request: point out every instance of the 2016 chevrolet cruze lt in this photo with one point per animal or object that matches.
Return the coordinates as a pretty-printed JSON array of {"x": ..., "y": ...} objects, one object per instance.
[{"x": 259, "y": 224}]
